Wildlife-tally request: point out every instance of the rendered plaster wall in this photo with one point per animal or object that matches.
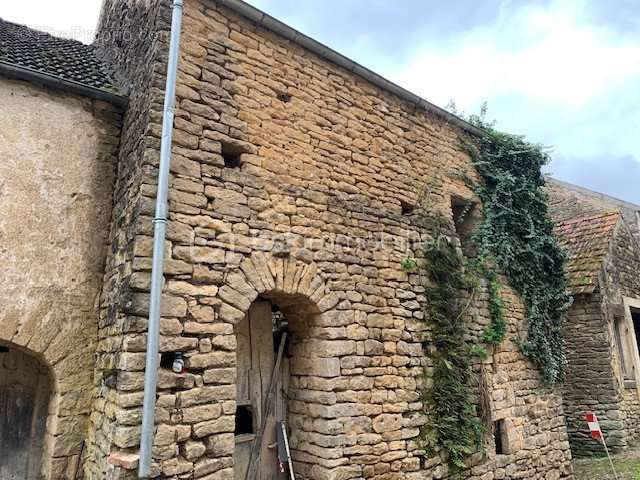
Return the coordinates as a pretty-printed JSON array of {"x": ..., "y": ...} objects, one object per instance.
[
  {"x": 312, "y": 210},
  {"x": 56, "y": 179}
]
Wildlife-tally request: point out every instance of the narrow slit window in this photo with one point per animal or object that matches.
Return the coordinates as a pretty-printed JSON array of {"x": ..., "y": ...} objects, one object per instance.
[{"x": 498, "y": 433}]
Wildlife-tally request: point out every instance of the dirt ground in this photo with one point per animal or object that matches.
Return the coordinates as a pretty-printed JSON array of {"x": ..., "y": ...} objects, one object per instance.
[{"x": 627, "y": 466}]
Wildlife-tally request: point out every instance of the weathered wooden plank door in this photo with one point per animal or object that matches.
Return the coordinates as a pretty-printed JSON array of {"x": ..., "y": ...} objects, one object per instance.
[
  {"x": 24, "y": 401},
  {"x": 255, "y": 362}
]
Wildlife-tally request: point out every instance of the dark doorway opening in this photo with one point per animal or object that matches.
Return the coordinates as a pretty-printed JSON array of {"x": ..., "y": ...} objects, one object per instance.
[{"x": 25, "y": 392}]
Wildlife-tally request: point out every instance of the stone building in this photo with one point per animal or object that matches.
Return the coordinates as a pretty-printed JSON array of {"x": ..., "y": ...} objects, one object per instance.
[
  {"x": 602, "y": 330},
  {"x": 298, "y": 179},
  {"x": 59, "y": 136},
  {"x": 568, "y": 200}
]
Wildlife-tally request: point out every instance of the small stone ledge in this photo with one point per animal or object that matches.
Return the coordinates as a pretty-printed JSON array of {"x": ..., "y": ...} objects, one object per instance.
[{"x": 126, "y": 460}]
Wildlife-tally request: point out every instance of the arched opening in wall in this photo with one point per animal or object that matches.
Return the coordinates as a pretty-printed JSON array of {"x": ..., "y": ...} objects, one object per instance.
[
  {"x": 273, "y": 361},
  {"x": 25, "y": 393}
]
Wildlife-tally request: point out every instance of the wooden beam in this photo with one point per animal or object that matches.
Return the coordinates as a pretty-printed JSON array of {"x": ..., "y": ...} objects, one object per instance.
[{"x": 254, "y": 458}]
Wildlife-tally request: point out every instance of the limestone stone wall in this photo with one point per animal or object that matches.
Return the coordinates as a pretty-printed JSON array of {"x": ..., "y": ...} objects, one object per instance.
[
  {"x": 128, "y": 38},
  {"x": 631, "y": 410},
  {"x": 532, "y": 419},
  {"x": 620, "y": 277},
  {"x": 590, "y": 328},
  {"x": 621, "y": 282},
  {"x": 58, "y": 158},
  {"x": 591, "y": 384},
  {"x": 296, "y": 182}
]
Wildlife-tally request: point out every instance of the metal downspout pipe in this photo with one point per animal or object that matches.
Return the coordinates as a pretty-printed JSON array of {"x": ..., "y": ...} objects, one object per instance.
[{"x": 159, "y": 228}]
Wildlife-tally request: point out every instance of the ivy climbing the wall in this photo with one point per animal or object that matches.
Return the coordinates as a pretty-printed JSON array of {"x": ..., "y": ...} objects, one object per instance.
[
  {"x": 515, "y": 237},
  {"x": 517, "y": 232},
  {"x": 453, "y": 426},
  {"x": 496, "y": 331}
]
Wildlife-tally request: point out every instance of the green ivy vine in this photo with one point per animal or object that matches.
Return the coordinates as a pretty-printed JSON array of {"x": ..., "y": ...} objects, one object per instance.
[
  {"x": 514, "y": 236},
  {"x": 453, "y": 425},
  {"x": 517, "y": 232},
  {"x": 496, "y": 331}
]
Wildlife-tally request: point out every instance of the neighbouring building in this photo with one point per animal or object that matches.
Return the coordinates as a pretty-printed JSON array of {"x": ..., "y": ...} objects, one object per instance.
[
  {"x": 59, "y": 136},
  {"x": 568, "y": 200},
  {"x": 297, "y": 183},
  {"x": 602, "y": 330}
]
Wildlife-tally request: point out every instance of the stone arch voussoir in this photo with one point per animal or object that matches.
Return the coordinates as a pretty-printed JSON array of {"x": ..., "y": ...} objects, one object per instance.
[
  {"x": 299, "y": 290},
  {"x": 261, "y": 274}
]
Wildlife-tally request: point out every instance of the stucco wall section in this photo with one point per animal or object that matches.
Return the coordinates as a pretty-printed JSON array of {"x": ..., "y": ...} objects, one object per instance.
[{"x": 56, "y": 179}]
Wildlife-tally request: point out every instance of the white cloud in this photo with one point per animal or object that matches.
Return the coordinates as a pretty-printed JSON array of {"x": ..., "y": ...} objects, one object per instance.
[
  {"x": 548, "y": 54},
  {"x": 66, "y": 18},
  {"x": 547, "y": 71}
]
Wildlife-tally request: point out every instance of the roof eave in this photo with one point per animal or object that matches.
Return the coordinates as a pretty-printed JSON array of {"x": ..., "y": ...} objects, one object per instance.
[
  {"x": 270, "y": 23},
  {"x": 24, "y": 73}
]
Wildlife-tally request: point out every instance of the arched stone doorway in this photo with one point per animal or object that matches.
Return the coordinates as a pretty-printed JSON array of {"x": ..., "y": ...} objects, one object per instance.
[
  {"x": 263, "y": 290},
  {"x": 25, "y": 393},
  {"x": 269, "y": 338}
]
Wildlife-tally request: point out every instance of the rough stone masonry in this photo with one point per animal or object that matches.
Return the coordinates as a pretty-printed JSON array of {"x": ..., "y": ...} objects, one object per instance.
[
  {"x": 298, "y": 187},
  {"x": 294, "y": 182},
  {"x": 600, "y": 235}
]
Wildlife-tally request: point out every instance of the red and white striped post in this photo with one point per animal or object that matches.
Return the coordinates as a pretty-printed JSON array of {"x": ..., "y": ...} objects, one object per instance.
[{"x": 596, "y": 434}]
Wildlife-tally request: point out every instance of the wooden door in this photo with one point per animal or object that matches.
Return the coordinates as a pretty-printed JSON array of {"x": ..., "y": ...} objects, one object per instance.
[
  {"x": 24, "y": 401},
  {"x": 255, "y": 362}
]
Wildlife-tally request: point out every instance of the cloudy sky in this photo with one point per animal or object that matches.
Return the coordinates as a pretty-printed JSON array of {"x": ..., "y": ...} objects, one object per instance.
[{"x": 565, "y": 73}]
